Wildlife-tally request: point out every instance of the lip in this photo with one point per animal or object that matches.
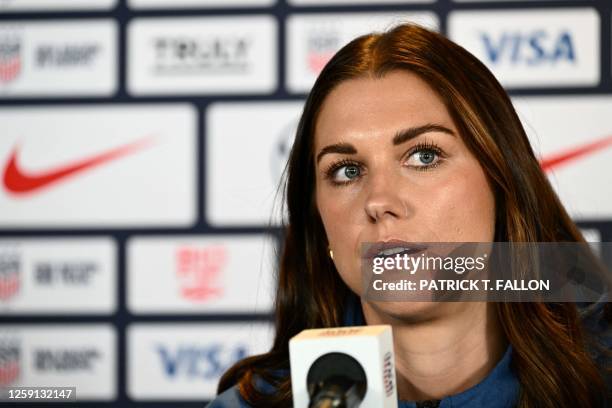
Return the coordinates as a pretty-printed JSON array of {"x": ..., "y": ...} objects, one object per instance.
[{"x": 410, "y": 247}]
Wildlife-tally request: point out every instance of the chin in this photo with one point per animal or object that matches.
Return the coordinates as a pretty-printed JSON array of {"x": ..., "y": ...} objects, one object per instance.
[{"x": 409, "y": 312}]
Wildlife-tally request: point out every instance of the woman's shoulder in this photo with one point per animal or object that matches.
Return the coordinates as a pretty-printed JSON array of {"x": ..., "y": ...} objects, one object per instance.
[
  {"x": 596, "y": 322},
  {"x": 231, "y": 397}
]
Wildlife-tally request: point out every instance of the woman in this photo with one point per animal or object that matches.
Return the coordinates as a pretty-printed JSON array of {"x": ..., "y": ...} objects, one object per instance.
[{"x": 406, "y": 136}]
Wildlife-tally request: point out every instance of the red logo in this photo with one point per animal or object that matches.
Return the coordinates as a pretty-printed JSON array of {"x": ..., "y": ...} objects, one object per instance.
[
  {"x": 322, "y": 45},
  {"x": 198, "y": 270},
  {"x": 9, "y": 286},
  {"x": 18, "y": 181},
  {"x": 9, "y": 363},
  {"x": 10, "y": 281},
  {"x": 556, "y": 160},
  {"x": 10, "y": 59},
  {"x": 317, "y": 61}
]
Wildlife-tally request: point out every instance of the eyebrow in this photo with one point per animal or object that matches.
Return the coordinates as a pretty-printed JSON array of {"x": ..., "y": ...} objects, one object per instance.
[
  {"x": 402, "y": 136},
  {"x": 407, "y": 134}
]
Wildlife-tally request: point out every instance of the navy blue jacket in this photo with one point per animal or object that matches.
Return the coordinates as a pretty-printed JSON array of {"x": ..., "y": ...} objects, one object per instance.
[{"x": 499, "y": 389}]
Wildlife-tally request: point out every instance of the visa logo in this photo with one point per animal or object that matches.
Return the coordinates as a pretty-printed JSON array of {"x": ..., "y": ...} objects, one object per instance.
[
  {"x": 533, "y": 48},
  {"x": 207, "y": 363}
]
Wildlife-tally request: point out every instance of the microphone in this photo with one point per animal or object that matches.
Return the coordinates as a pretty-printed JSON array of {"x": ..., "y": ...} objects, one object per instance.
[{"x": 344, "y": 367}]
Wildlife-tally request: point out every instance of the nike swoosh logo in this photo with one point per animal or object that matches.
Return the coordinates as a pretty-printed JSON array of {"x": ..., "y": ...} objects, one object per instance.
[
  {"x": 562, "y": 158},
  {"x": 18, "y": 181}
]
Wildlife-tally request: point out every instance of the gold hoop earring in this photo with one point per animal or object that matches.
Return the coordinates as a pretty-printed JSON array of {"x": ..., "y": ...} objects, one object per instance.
[{"x": 331, "y": 254}]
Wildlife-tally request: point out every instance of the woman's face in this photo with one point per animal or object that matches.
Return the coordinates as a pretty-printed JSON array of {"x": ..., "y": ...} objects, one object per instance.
[{"x": 391, "y": 165}]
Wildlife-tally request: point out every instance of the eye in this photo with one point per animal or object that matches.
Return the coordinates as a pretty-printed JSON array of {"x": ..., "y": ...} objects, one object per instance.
[
  {"x": 424, "y": 156},
  {"x": 343, "y": 172},
  {"x": 347, "y": 172}
]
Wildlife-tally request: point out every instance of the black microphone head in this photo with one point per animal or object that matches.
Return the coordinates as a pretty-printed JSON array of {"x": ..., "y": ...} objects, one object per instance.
[{"x": 336, "y": 377}]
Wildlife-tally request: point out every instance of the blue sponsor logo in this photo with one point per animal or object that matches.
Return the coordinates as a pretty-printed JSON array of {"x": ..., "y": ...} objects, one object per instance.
[
  {"x": 532, "y": 48},
  {"x": 207, "y": 363}
]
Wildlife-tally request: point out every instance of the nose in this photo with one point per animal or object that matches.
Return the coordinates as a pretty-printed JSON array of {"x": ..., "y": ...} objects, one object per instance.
[{"x": 384, "y": 201}]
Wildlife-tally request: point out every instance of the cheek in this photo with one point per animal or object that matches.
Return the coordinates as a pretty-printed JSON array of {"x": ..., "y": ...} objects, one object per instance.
[
  {"x": 338, "y": 214},
  {"x": 462, "y": 207}
]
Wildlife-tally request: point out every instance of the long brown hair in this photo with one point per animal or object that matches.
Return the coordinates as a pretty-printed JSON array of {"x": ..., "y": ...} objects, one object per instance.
[{"x": 549, "y": 352}]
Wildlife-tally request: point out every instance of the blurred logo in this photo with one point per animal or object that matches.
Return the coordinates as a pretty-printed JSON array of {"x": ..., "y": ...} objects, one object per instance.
[
  {"x": 10, "y": 57},
  {"x": 198, "y": 271},
  {"x": 66, "y": 55},
  {"x": 73, "y": 274},
  {"x": 10, "y": 271},
  {"x": 321, "y": 47},
  {"x": 533, "y": 48},
  {"x": 200, "y": 362},
  {"x": 216, "y": 55},
  {"x": 18, "y": 181},
  {"x": 9, "y": 361},
  {"x": 66, "y": 360},
  {"x": 555, "y": 160},
  {"x": 282, "y": 149},
  {"x": 388, "y": 374}
]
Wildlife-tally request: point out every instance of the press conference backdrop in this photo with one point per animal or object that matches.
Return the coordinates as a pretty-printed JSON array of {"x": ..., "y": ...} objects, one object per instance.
[{"x": 142, "y": 141}]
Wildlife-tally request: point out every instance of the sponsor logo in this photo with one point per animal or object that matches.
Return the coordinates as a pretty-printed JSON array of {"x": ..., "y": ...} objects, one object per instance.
[
  {"x": 58, "y": 275},
  {"x": 282, "y": 148},
  {"x": 73, "y": 274},
  {"x": 10, "y": 57},
  {"x": 198, "y": 270},
  {"x": 185, "y": 55},
  {"x": 556, "y": 160},
  {"x": 321, "y": 46},
  {"x": 202, "y": 55},
  {"x": 58, "y": 58},
  {"x": 81, "y": 355},
  {"x": 201, "y": 362},
  {"x": 571, "y": 151},
  {"x": 66, "y": 55},
  {"x": 67, "y": 360},
  {"x": 18, "y": 181},
  {"x": 531, "y": 48},
  {"x": 10, "y": 352},
  {"x": 115, "y": 152},
  {"x": 187, "y": 359},
  {"x": 196, "y": 273},
  {"x": 10, "y": 271},
  {"x": 388, "y": 374},
  {"x": 534, "y": 48}
]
